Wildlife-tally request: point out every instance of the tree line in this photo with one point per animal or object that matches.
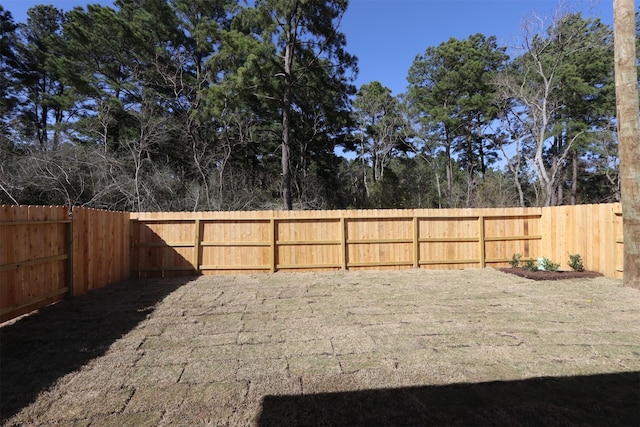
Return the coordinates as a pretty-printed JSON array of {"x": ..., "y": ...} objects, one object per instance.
[{"x": 214, "y": 105}]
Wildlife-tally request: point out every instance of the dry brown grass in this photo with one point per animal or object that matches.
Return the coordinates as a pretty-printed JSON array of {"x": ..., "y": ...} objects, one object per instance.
[{"x": 413, "y": 347}]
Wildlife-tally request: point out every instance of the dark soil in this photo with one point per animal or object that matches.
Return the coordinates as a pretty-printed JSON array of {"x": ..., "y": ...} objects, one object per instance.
[{"x": 551, "y": 275}]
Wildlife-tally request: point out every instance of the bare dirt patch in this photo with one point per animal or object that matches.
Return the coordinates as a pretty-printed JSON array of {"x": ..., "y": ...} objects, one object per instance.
[
  {"x": 550, "y": 275},
  {"x": 473, "y": 347}
]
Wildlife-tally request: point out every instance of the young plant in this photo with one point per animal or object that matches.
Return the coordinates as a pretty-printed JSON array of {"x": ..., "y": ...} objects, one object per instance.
[
  {"x": 515, "y": 260},
  {"x": 530, "y": 265},
  {"x": 575, "y": 262},
  {"x": 546, "y": 264}
]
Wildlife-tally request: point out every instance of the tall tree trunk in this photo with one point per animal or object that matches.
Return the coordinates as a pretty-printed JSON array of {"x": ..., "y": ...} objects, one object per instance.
[
  {"x": 286, "y": 130},
  {"x": 628, "y": 135},
  {"x": 574, "y": 177},
  {"x": 439, "y": 190},
  {"x": 520, "y": 193},
  {"x": 57, "y": 128},
  {"x": 560, "y": 197},
  {"x": 449, "y": 171},
  {"x": 286, "y": 169}
]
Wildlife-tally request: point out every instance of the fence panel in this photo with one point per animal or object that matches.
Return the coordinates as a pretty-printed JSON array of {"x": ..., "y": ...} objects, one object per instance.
[
  {"x": 588, "y": 230},
  {"x": 308, "y": 244},
  {"x": 449, "y": 242},
  {"x": 237, "y": 242},
  {"x": 506, "y": 236},
  {"x": 235, "y": 245},
  {"x": 379, "y": 242},
  {"x": 33, "y": 258},
  {"x": 100, "y": 248}
]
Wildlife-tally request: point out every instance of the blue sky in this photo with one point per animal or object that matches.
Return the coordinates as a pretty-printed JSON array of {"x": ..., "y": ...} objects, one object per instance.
[{"x": 386, "y": 35}]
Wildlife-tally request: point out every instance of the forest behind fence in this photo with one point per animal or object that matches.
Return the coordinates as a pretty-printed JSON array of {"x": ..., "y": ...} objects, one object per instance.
[{"x": 46, "y": 253}]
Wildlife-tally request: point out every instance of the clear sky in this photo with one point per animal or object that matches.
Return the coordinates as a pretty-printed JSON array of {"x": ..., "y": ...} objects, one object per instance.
[{"x": 386, "y": 35}]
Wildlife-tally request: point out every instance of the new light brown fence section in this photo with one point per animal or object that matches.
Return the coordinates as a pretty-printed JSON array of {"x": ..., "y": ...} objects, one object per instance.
[
  {"x": 45, "y": 255},
  {"x": 267, "y": 241},
  {"x": 588, "y": 230},
  {"x": 100, "y": 248},
  {"x": 473, "y": 238},
  {"x": 34, "y": 257}
]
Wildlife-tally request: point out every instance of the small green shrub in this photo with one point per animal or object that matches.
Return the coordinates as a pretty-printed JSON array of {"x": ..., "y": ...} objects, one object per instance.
[
  {"x": 530, "y": 265},
  {"x": 575, "y": 262},
  {"x": 515, "y": 260},
  {"x": 547, "y": 265}
]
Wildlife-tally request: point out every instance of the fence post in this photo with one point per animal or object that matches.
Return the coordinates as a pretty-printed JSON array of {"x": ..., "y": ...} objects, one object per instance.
[
  {"x": 133, "y": 254},
  {"x": 481, "y": 241},
  {"x": 272, "y": 242},
  {"x": 416, "y": 243},
  {"x": 196, "y": 245},
  {"x": 616, "y": 240},
  {"x": 69, "y": 263},
  {"x": 343, "y": 243}
]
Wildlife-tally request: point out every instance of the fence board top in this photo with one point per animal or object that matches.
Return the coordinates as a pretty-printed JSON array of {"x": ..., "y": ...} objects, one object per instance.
[{"x": 336, "y": 214}]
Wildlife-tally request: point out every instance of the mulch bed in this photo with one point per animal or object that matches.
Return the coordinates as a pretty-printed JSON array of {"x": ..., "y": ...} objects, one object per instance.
[{"x": 550, "y": 275}]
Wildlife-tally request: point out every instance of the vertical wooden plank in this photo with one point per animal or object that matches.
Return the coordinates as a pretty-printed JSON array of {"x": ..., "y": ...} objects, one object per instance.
[
  {"x": 104, "y": 267},
  {"x": 50, "y": 230},
  {"x": 273, "y": 229},
  {"x": 125, "y": 259},
  {"x": 196, "y": 245},
  {"x": 481, "y": 241},
  {"x": 343, "y": 242},
  {"x": 594, "y": 221},
  {"x": 618, "y": 242},
  {"x": 91, "y": 248},
  {"x": 109, "y": 219},
  {"x": 416, "y": 242},
  {"x": 8, "y": 279},
  {"x": 68, "y": 274},
  {"x": 103, "y": 255},
  {"x": 77, "y": 276},
  {"x": 58, "y": 246},
  {"x": 87, "y": 260},
  {"x": 134, "y": 263},
  {"x": 80, "y": 252},
  {"x": 21, "y": 252},
  {"x": 35, "y": 285}
]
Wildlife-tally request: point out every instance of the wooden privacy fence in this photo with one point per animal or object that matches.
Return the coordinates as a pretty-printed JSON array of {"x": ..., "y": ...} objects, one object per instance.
[
  {"x": 45, "y": 254},
  {"x": 268, "y": 241}
]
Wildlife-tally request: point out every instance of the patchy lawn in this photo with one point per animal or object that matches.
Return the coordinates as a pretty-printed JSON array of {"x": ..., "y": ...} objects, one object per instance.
[{"x": 360, "y": 348}]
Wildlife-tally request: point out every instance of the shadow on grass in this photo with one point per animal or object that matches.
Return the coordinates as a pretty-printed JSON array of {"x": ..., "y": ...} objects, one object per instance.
[
  {"x": 38, "y": 349},
  {"x": 593, "y": 400}
]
